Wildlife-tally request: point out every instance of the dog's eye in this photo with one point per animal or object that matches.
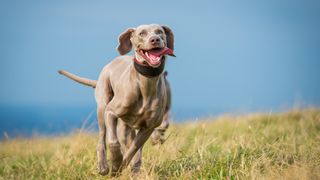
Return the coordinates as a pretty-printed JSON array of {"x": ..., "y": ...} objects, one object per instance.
[
  {"x": 142, "y": 33},
  {"x": 158, "y": 31}
]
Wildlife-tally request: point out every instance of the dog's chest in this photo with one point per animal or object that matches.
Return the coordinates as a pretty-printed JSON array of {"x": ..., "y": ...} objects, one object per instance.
[
  {"x": 150, "y": 113},
  {"x": 146, "y": 113},
  {"x": 139, "y": 112}
]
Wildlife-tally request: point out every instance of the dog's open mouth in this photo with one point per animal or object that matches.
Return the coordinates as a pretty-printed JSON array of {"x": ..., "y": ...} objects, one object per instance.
[{"x": 154, "y": 56}]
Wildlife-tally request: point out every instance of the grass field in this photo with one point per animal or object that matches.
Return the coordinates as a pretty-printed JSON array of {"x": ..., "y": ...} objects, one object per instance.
[{"x": 254, "y": 146}]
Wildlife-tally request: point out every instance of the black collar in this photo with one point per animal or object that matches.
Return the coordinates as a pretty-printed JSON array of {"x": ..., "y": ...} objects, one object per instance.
[{"x": 149, "y": 71}]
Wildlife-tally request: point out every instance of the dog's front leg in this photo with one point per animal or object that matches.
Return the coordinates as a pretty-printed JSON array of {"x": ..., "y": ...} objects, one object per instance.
[
  {"x": 126, "y": 136},
  {"x": 113, "y": 143},
  {"x": 137, "y": 143},
  {"x": 137, "y": 161}
]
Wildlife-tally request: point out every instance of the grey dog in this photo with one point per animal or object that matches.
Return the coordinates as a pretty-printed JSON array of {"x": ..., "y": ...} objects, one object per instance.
[{"x": 133, "y": 96}]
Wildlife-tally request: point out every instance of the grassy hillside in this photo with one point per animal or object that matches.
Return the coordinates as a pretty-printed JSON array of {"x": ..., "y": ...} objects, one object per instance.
[{"x": 257, "y": 146}]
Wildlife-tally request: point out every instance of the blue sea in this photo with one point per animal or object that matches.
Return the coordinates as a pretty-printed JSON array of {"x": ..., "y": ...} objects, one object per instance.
[{"x": 27, "y": 121}]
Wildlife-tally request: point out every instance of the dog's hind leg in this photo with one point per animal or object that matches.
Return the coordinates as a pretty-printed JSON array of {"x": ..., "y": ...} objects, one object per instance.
[
  {"x": 101, "y": 149},
  {"x": 157, "y": 136},
  {"x": 103, "y": 95}
]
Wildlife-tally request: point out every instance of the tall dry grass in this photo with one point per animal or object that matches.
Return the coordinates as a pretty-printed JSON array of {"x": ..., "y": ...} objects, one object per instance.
[{"x": 255, "y": 146}]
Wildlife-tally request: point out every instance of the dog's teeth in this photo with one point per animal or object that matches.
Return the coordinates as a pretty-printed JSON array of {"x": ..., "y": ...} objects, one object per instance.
[{"x": 147, "y": 54}]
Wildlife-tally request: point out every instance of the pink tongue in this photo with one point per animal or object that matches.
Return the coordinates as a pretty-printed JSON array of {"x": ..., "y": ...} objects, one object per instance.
[{"x": 160, "y": 52}]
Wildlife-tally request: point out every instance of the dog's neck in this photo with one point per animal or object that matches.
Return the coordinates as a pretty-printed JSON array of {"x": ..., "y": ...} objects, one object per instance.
[
  {"x": 149, "y": 89},
  {"x": 147, "y": 70},
  {"x": 148, "y": 77},
  {"x": 148, "y": 86}
]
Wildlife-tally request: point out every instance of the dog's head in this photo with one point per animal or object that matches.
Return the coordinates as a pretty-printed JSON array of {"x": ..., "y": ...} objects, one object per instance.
[{"x": 150, "y": 43}]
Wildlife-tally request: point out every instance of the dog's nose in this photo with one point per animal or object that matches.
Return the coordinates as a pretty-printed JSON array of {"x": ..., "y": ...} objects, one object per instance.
[{"x": 154, "y": 40}]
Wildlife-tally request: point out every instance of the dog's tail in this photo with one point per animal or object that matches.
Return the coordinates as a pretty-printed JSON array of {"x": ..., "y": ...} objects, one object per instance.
[{"x": 81, "y": 80}]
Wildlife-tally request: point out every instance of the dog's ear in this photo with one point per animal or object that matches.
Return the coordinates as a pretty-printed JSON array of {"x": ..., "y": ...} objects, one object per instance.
[
  {"x": 170, "y": 37},
  {"x": 125, "y": 44}
]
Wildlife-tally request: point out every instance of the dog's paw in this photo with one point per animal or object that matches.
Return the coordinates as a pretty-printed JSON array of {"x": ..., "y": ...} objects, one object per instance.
[
  {"x": 103, "y": 169},
  {"x": 115, "y": 158},
  {"x": 160, "y": 140},
  {"x": 157, "y": 137},
  {"x": 135, "y": 169}
]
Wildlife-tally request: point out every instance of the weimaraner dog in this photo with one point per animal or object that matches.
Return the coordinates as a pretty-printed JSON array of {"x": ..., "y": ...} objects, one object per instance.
[{"x": 133, "y": 96}]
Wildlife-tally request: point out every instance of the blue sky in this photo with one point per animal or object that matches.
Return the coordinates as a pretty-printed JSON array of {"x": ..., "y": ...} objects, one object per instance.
[{"x": 231, "y": 55}]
